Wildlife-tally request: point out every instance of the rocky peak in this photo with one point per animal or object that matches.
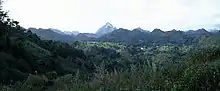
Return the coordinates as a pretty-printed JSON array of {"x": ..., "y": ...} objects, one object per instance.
[{"x": 107, "y": 28}]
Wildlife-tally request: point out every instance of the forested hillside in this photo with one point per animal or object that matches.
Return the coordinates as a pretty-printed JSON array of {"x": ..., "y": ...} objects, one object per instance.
[{"x": 122, "y": 60}]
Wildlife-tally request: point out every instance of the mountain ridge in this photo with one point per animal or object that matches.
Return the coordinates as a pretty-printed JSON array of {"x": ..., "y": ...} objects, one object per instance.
[{"x": 128, "y": 36}]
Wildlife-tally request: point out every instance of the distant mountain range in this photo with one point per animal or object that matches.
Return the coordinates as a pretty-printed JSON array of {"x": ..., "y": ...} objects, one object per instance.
[
  {"x": 51, "y": 34},
  {"x": 137, "y": 36},
  {"x": 107, "y": 28},
  {"x": 156, "y": 37}
]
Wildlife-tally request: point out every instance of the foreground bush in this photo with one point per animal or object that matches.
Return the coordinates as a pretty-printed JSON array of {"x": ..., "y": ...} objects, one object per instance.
[{"x": 202, "y": 77}]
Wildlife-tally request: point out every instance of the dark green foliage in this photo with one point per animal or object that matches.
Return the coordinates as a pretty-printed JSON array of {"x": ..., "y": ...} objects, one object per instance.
[{"x": 68, "y": 51}]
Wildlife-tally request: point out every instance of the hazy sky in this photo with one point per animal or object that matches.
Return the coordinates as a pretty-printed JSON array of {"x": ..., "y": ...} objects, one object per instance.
[{"x": 89, "y": 15}]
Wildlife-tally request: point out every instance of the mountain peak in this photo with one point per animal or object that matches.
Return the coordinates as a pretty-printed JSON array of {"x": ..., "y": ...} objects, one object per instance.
[
  {"x": 138, "y": 28},
  {"x": 107, "y": 28},
  {"x": 158, "y": 30},
  {"x": 174, "y": 30},
  {"x": 202, "y": 30},
  {"x": 108, "y": 24}
]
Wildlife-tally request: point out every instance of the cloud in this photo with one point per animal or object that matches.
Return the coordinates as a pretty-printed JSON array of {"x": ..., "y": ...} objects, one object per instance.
[{"x": 89, "y": 15}]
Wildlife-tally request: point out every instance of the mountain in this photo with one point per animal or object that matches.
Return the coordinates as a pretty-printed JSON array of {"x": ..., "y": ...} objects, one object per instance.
[
  {"x": 57, "y": 31},
  {"x": 57, "y": 35},
  {"x": 202, "y": 31},
  {"x": 50, "y": 34},
  {"x": 176, "y": 36},
  {"x": 85, "y": 36},
  {"x": 91, "y": 35},
  {"x": 119, "y": 35},
  {"x": 137, "y": 36},
  {"x": 107, "y": 28},
  {"x": 125, "y": 36},
  {"x": 158, "y": 32},
  {"x": 140, "y": 29},
  {"x": 65, "y": 32},
  {"x": 71, "y": 32},
  {"x": 198, "y": 33},
  {"x": 156, "y": 37}
]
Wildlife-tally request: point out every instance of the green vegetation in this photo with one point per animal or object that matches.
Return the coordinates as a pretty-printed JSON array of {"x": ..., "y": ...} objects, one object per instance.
[
  {"x": 31, "y": 64},
  {"x": 108, "y": 45}
]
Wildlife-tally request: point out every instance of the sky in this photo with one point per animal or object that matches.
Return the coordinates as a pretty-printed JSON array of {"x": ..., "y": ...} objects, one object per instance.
[{"x": 90, "y": 15}]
